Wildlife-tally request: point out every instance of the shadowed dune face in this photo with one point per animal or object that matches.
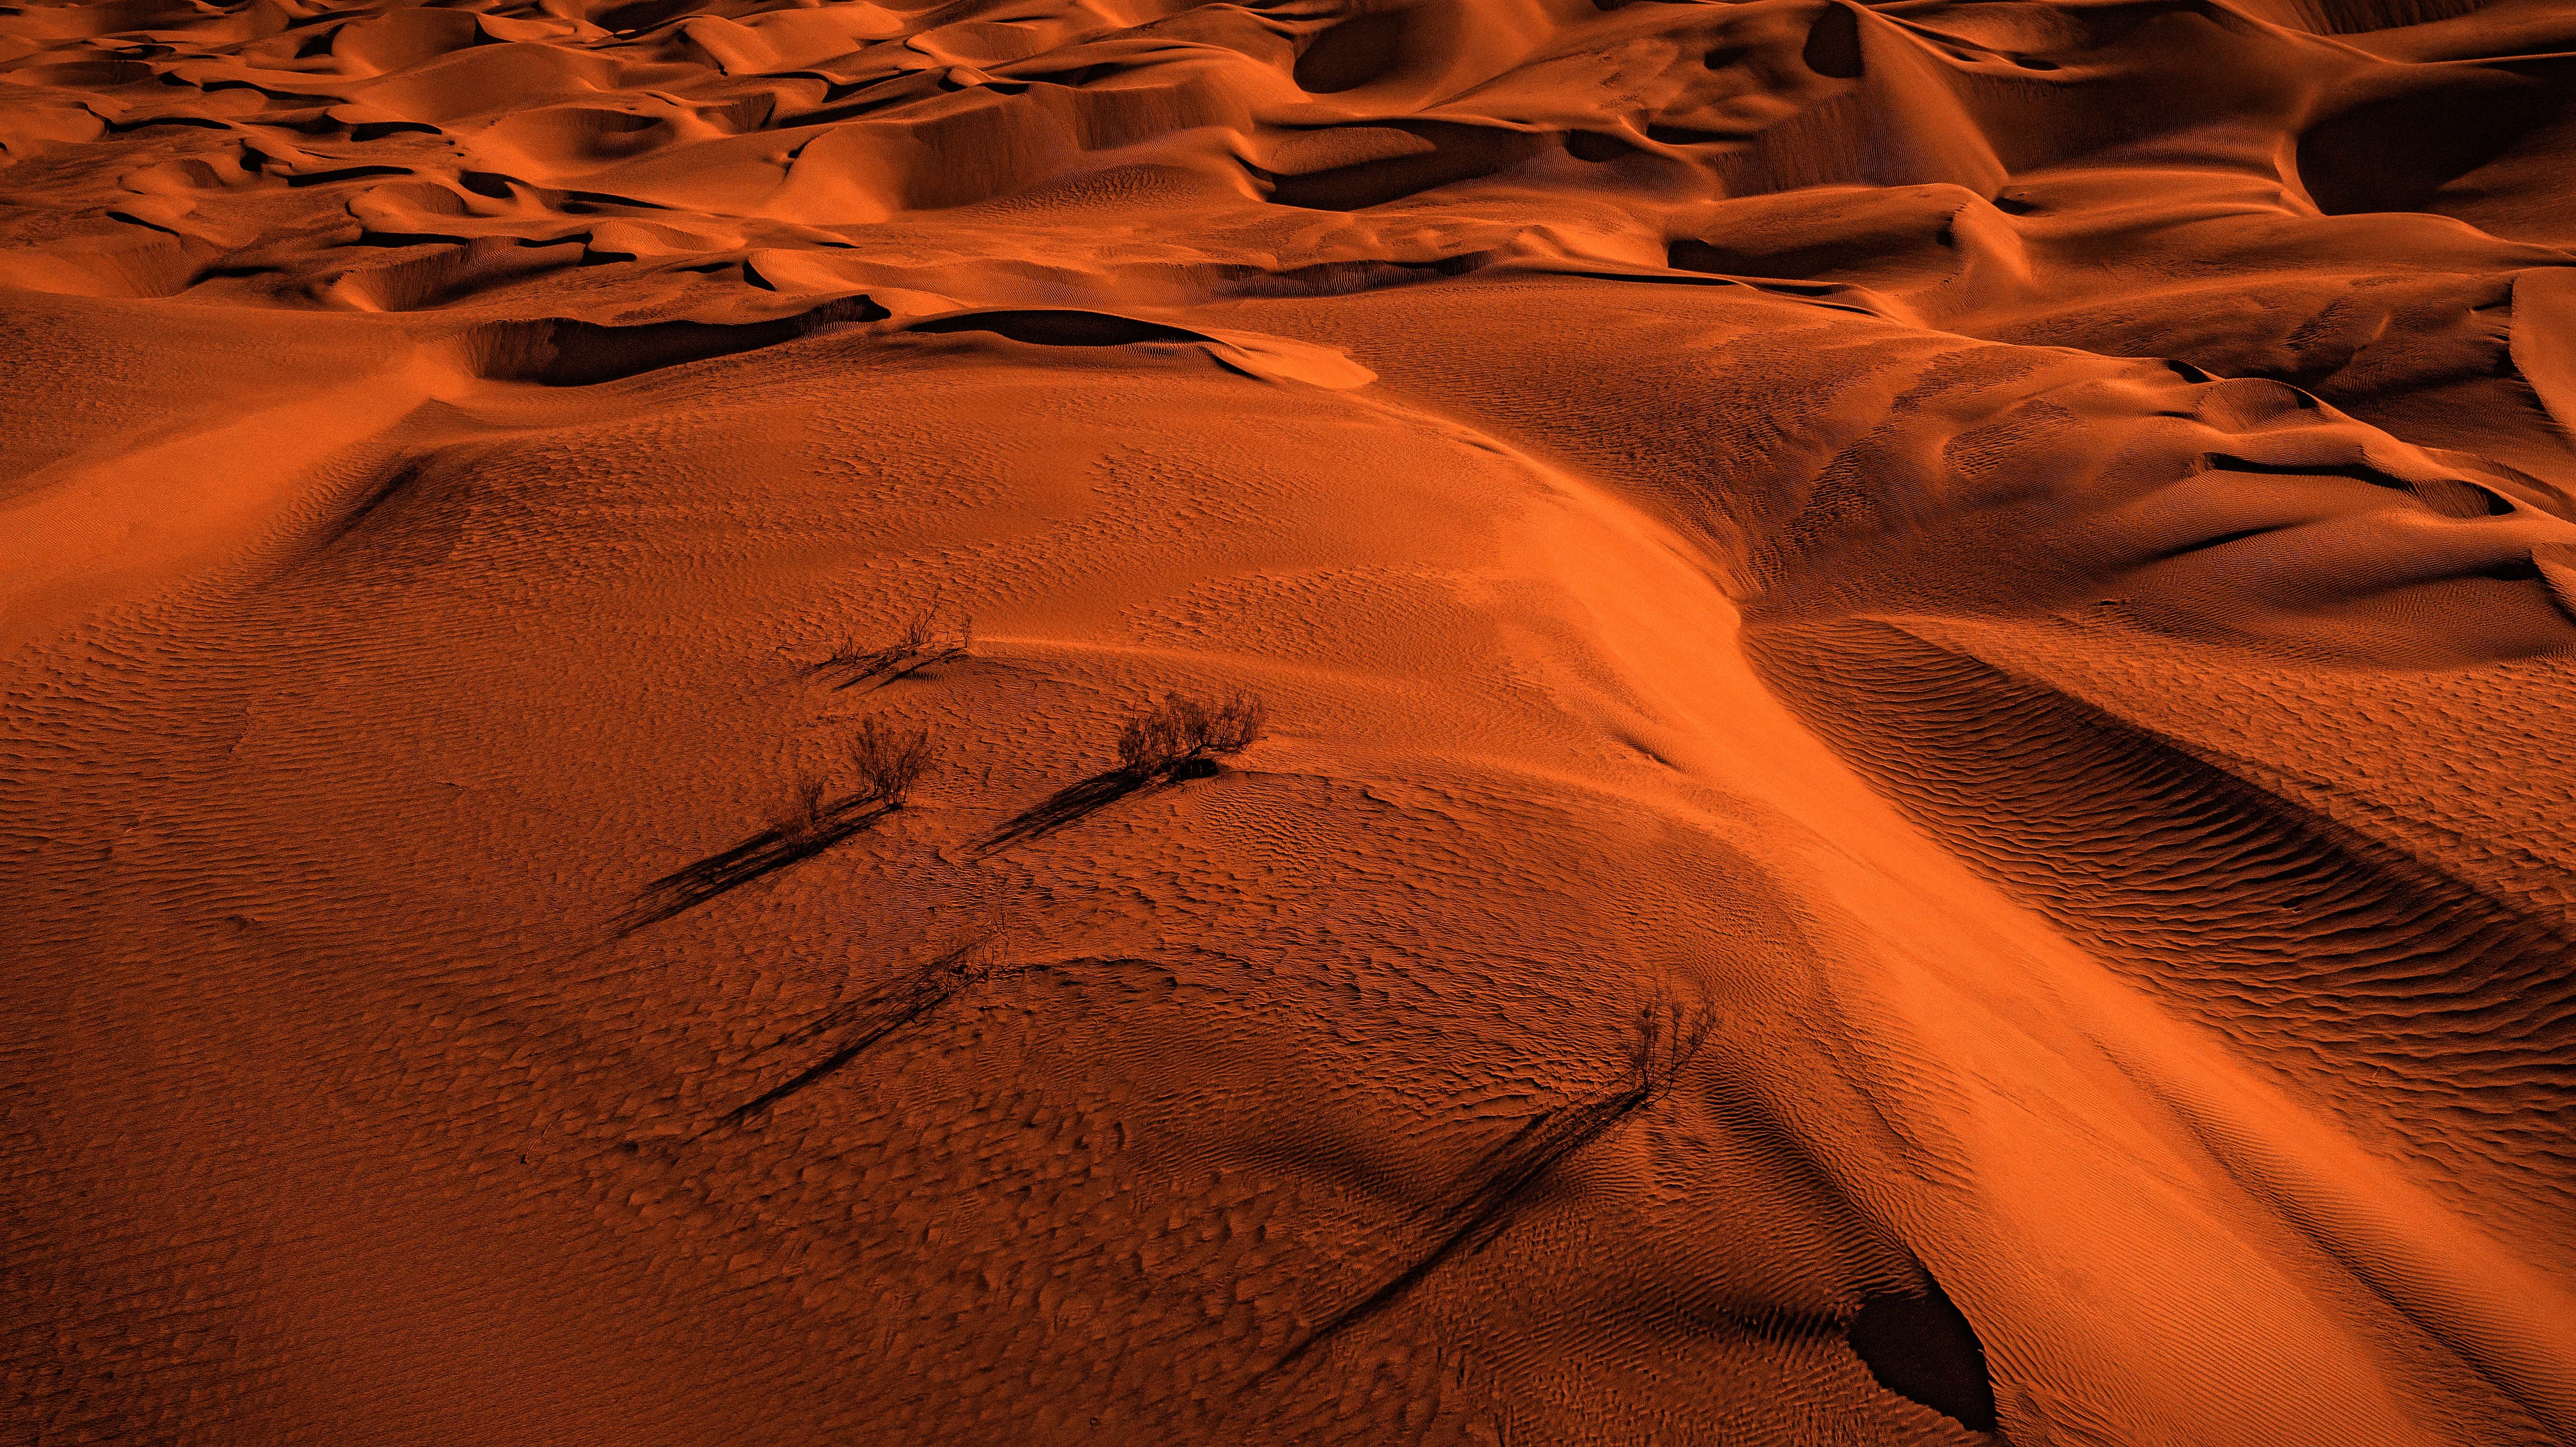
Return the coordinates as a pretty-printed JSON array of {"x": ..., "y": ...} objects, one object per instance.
[
  {"x": 2236, "y": 508},
  {"x": 1445, "y": 721}
]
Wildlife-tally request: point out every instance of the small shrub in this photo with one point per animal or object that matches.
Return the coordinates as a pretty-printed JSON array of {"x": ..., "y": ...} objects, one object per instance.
[
  {"x": 934, "y": 634},
  {"x": 1668, "y": 1037},
  {"x": 889, "y": 763},
  {"x": 802, "y": 817},
  {"x": 1180, "y": 732},
  {"x": 937, "y": 632}
]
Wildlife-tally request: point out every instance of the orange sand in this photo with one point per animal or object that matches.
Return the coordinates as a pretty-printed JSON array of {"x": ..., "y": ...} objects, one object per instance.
[{"x": 1919, "y": 782}]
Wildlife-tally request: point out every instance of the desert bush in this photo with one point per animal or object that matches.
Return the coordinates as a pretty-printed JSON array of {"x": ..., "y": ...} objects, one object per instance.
[
  {"x": 938, "y": 631},
  {"x": 935, "y": 633},
  {"x": 1179, "y": 732},
  {"x": 889, "y": 763},
  {"x": 1667, "y": 1037},
  {"x": 803, "y": 814}
]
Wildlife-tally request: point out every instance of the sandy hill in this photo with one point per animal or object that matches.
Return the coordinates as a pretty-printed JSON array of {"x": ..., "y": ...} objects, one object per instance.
[{"x": 1338, "y": 721}]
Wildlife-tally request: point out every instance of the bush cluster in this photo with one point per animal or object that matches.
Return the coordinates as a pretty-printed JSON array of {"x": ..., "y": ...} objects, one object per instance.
[{"x": 1180, "y": 732}]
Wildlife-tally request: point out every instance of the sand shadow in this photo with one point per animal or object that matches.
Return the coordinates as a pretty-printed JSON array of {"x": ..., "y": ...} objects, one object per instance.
[
  {"x": 766, "y": 852},
  {"x": 882, "y": 666},
  {"x": 565, "y": 352},
  {"x": 1481, "y": 1203},
  {"x": 1920, "y": 1346},
  {"x": 869, "y": 1021},
  {"x": 1077, "y": 801},
  {"x": 1484, "y": 1197}
]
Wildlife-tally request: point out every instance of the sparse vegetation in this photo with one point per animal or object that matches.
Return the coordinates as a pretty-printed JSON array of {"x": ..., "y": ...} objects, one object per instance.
[
  {"x": 889, "y": 763},
  {"x": 1179, "y": 738},
  {"x": 866, "y": 1022},
  {"x": 1481, "y": 1204},
  {"x": 1182, "y": 736},
  {"x": 936, "y": 633},
  {"x": 804, "y": 816},
  {"x": 1668, "y": 1036}
]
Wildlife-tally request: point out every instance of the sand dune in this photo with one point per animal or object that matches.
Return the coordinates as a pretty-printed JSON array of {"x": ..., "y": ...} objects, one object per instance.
[{"x": 1913, "y": 784}]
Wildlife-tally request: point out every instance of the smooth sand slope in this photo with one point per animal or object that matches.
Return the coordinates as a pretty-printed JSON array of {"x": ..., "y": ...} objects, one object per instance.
[{"x": 1918, "y": 784}]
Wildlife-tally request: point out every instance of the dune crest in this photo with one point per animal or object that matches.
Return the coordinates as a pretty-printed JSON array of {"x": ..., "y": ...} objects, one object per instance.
[{"x": 1446, "y": 721}]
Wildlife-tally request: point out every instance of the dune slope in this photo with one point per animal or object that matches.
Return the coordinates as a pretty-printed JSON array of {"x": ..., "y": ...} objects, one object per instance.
[{"x": 1913, "y": 780}]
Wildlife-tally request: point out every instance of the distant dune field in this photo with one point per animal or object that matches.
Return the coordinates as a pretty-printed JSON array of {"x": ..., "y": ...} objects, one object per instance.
[{"x": 1543, "y": 723}]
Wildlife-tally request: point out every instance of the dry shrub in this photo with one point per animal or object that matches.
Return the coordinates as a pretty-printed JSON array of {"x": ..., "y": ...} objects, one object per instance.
[
  {"x": 1180, "y": 732},
  {"x": 936, "y": 633},
  {"x": 802, "y": 818},
  {"x": 889, "y": 763},
  {"x": 1668, "y": 1037}
]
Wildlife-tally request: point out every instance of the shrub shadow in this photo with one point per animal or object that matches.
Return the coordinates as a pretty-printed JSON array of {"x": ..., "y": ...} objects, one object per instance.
[{"x": 766, "y": 852}]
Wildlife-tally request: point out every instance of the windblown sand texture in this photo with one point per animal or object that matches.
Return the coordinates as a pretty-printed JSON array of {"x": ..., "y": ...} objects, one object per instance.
[{"x": 1918, "y": 783}]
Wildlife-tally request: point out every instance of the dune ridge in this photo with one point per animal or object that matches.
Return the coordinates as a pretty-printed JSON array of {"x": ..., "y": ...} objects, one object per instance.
[{"x": 1913, "y": 781}]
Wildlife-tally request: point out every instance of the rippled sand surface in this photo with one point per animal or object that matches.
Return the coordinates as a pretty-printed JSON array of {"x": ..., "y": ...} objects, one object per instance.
[{"x": 1912, "y": 779}]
